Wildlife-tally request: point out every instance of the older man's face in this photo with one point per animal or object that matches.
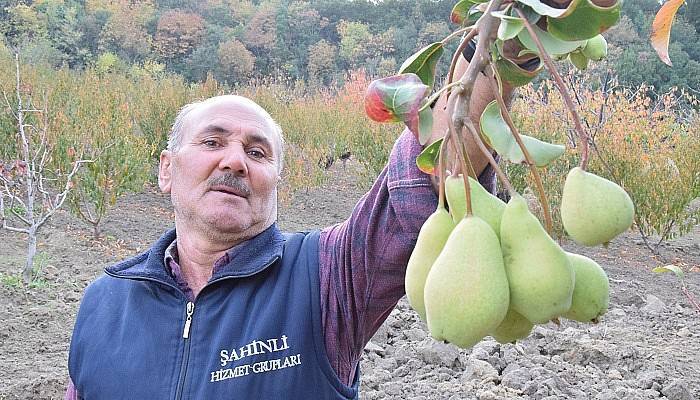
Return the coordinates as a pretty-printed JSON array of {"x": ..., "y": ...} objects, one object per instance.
[{"x": 223, "y": 177}]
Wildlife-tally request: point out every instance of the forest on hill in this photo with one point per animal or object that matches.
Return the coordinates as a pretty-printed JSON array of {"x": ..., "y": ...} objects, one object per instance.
[{"x": 317, "y": 41}]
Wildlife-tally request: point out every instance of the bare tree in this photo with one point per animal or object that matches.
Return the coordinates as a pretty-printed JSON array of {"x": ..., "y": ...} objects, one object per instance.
[{"x": 31, "y": 193}]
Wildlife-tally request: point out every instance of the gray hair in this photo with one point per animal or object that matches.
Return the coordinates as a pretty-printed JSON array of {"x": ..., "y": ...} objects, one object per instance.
[{"x": 176, "y": 131}]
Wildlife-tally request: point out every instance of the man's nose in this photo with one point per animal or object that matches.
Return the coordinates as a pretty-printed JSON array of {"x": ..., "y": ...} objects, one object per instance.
[{"x": 234, "y": 160}]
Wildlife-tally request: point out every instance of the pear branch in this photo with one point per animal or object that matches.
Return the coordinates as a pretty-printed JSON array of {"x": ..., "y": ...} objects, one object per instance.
[
  {"x": 458, "y": 106},
  {"x": 461, "y": 109},
  {"x": 455, "y": 57},
  {"x": 457, "y": 33},
  {"x": 583, "y": 136}
]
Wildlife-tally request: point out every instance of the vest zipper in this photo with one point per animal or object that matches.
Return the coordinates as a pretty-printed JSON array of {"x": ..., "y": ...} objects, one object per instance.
[
  {"x": 186, "y": 354},
  {"x": 188, "y": 321}
]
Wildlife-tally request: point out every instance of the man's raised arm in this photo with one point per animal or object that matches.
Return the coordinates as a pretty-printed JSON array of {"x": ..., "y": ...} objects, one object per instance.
[{"x": 363, "y": 260}]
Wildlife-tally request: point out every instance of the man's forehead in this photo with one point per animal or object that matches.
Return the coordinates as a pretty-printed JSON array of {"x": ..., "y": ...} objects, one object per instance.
[{"x": 230, "y": 113}]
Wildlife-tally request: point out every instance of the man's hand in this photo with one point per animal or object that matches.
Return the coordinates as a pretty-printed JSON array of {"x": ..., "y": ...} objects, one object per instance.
[{"x": 481, "y": 97}]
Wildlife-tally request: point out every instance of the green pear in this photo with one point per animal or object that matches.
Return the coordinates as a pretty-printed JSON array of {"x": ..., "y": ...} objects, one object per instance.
[
  {"x": 579, "y": 60},
  {"x": 539, "y": 272},
  {"x": 466, "y": 293},
  {"x": 591, "y": 292},
  {"x": 593, "y": 209},
  {"x": 431, "y": 239},
  {"x": 484, "y": 205},
  {"x": 596, "y": 48},
  {"x": 513, "y": 327}
]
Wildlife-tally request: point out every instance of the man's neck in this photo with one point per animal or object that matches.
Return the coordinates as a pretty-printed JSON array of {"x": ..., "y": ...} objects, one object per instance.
[{"x": 196, "y": 259}]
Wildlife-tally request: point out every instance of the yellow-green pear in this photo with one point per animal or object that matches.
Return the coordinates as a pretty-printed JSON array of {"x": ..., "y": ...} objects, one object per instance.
[
  {"x": 513, "y": 327},
  {"x": 591, "y": 292},
  {"x": 596, "y": 48},
  {"x": 539, "y": 272},
  {"x": 593, "y": 209},
  {"x": 431, "y": 239},
  {"x": 466, "y": 293},
  {"x": 484, "y": 205}
]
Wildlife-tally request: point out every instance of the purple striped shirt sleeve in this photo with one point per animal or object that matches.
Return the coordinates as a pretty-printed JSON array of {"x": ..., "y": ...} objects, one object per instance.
[
  {"x": 363, "y": 260},
  {"x": 71, "y": 393}
]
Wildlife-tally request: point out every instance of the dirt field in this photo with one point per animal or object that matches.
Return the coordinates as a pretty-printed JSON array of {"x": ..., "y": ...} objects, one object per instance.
[{"x": 647, "y": 346}]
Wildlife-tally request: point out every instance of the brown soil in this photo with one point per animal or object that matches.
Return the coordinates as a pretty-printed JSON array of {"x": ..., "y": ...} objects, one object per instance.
[{"x": 37, "y": 321}]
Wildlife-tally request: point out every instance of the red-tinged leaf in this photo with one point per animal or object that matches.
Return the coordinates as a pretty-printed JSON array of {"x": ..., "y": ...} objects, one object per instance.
[
  {"x": 374, "y": 104},
  {"x": 428, "y": 159},
  {"x": 423, "y": 63},
  {"x": 396, "y": 98},
  {"x": 460, "y": 11},
  {"x": 661, "y": 28}
]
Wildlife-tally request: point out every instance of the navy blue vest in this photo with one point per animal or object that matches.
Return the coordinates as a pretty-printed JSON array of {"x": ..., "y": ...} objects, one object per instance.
[{"x": 254, "y": 332}]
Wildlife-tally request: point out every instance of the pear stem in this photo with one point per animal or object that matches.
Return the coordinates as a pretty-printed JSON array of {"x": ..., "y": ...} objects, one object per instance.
[
  {"x": 462, "y": 155},
  {"x": 465, "y": 177},
  {"x": 582, "y": 134},
  {"x": 501, "y": 175},
  {"x": 516, "y": 134},
  {"x": 441, "y": 165}
]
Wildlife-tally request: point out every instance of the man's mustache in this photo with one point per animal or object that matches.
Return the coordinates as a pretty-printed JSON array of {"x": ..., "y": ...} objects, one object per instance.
[{"x": 235, "y": 183}]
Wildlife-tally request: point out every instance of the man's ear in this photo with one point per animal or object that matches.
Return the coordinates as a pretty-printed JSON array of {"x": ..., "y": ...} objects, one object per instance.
[{"x": 165, "y": 171}]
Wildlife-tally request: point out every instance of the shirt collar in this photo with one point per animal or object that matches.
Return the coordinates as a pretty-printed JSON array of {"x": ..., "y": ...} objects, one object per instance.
[{"x": 244, "y": 259}]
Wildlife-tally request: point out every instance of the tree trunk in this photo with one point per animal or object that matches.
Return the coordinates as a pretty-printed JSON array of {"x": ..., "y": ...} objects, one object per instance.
[{"x": 31, "y": 252}]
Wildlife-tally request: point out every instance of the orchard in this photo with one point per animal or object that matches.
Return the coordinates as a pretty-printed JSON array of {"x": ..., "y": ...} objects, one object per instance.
[{"x": 576, "y": 278}]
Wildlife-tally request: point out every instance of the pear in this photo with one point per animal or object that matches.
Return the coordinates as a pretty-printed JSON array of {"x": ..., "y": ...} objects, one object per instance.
[
  {"x": 579, "y": 60},
  {"x": 591, "y": 292},
  {"x": 596, "y": 48},
  {"x": 513, "y": 327},
  {"x": 593, "y": 209},
  {"x": 431, "y": 239},
  {"x": 484, "y": 205},
  {"x": 466, "y": 293},
  {"x": 539, "y": 272}
]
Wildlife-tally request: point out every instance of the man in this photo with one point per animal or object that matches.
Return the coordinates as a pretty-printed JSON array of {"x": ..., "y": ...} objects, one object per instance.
[{"x": 225, "y": 305}]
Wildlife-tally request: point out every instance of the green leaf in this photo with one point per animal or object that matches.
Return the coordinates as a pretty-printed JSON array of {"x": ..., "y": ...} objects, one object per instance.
[
  {"x": 669, "y": 268},
  {"x": 584, "y": 20},
  {"x": 460, "y": 11},
  {"x": 423, "y": 63},
  {"x": 428, "y": 159},
  {"x": 425, "y": 125},
  {"x": 542, "y": 8},
  {"x": 499, "y": 137},
  {"x": 531, "y": 15},
  {"x": 551, "y": 44},
  {"x": 509, "y": 26},
  {"x": 396, "y": 98},
  {"x": 509, "y": 71}
]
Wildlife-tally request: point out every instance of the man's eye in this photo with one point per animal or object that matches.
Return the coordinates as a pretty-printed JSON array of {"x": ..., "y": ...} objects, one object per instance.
[
  {"x": 210, "y": 143},
  {"x": 256, "y": 153}
]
